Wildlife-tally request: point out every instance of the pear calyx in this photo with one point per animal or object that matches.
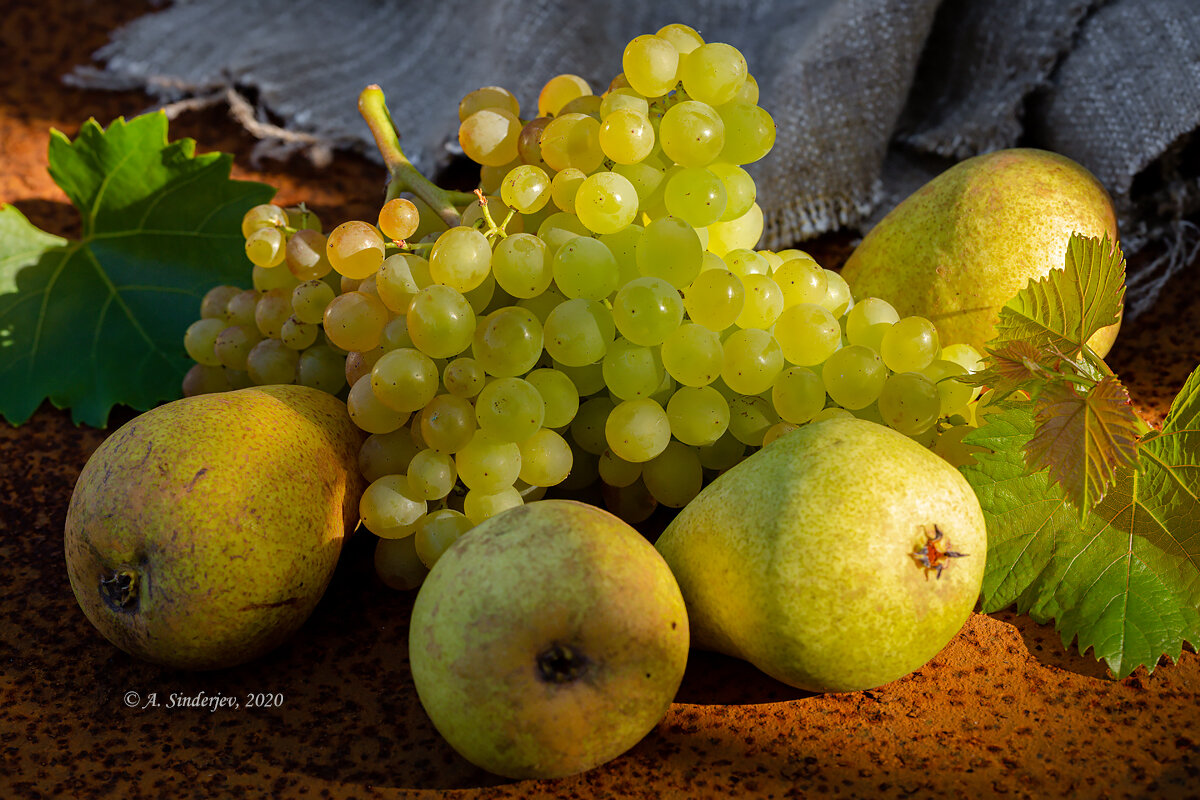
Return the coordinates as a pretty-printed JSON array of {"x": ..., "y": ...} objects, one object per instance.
[
  {"x": 560, "y": 663},
  {"x": 932, "y": 555},
  {"x": 120, "y": 589}
]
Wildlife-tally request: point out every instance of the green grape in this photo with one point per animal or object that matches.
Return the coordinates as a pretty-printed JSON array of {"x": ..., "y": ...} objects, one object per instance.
[
  {"x": 740, "y": 191},
  {"x": 751, "y": 361},
  {"x": 301, "y": 217},
  {"x": 395, "y": 283},
  {"x": 801, "y": 281},
  {"x": 487, "y": 97},
  {"x": 200, "y": 339},
  {"x": 266, "y": 215},
  {"x": 622, "y": 99},
  {"x": 464, "y": 377},
  {"x": 386, "y": 454},
  {"x": 587, "y": 429},
  {"x": 368, "y": 413},
  {"x": 623, "y": 246},
  {"x": 646, "y": 310},
  {"x": 436, "y": 531},
  {"x": 272, "y": 362},
  {"x": 698, "y": 415},
  {"x": 360, "y": 363},
  {"x": 441, "y": 321},
  {"x": 240, "y": 308},
  {"x": 909, "y": 345},
  {"x": 696, "y": 196},
  {"x": 675, "y": 475},
  {"x": 271, "y": 311},
  {"x": 762, "y": 304},
  {"x": 215, "y": 303},
  {"x": 397, "y": 564},
  {"x": 692, "y": 134},
  {"x": 305, "y": 255},
  {"x": 487, "y": 464},
  {"x": 310, "y": 299},
  {"x": 578, "y": 332},
  {"x": 909, "y": 402},
  {"x": 545, "y": 458},
  {"x": 954, "y": 395},
  {"x": 508, "y": 342},
  {"x": 520, "y": 265},
  {"x": 837, "y": 294},
  {"x": 526, "y": 189},
  {"x": 748, "y": 93},
  {"x": 744, "y": 231},
  {"x": 237, "y": 378},
  {"x": 480, "y": 298},
  {"x": 572, "y": 140},
  {"x": 714, "y": 299},
  {"x": 322, "y": 367},
  {"x": 233, "y": 344},
  {"x": 585, "y": 267},
  {"x": 354, "y": 249},
  {"x": 723, "y": 453},
  {"x": 587, "y": 379},
  {"x": 529, "y": 143},
  {"x": 404, "y": 380},
  {"x": 355, "y": 320},
  {"x": 808, "y": 334},
  {"x": 264, "y": 279},
  {"x": 298, "y": 335},
  {"x": 637, "y": 430},
  {"x": 626, "y": 135},
  {"x": 431, "y": 475},
  {"x": 559, "y": 395},
  {"x": 651, "y": 65},
  {"x": 684, "y": 38},
  {"x": 868, "y": 321},
  {"x": 558, "y": 229},
  {"x": 203, "y": 379},
  {"x": 647, "y": 180},
  {"x": 964, "y": 355},
  {"x": 447, "y": 423},
  {"x": 692, "y": 354},
  {"x": 480, "y": 505},
  {"x": 606, "y": 202},
  {"x": 712, "y": 73},
  {"x": 750, "y": 417},
  {"x": 560, "y": 90},
  {"x": 390, "y": 508},
  {"x": 631, "y": 370},
  {"x": 461, "y": 259},
  {"x": 744, "y": 262},
  {"x": 398, "y": 219},
  {"x": 777, "y": 430},
  {"x": 564, "y": 186},
  {"x": 749, "y": 132},
  {"x": 509, "y": 409},
  {"x": 670, "y": 250},
  {"x": 854, "y": 376},
  {"x": 616, "y": 471},
  {"x": 395, "y": 334},
  {"x": 489, "y": 136},
  {"x": 798, "y": 394}
]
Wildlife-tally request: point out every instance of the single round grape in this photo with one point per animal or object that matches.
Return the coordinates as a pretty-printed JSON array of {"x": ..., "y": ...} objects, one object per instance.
[
  {"x": 798, "y": 394},
  {"x": 487, "y": 464},
  {"x": 751, "y": 361},
  {"x": 587, "y": 429},
  {"x": 587, "y": 379},
  {"x": 623, "y": 246},
  {"x": 545, "y": 458},
  {"x": 684, "y": 38},
  {"x": 559, "y": 395},
  {"x": 778, "y": 429},
  {"x": 631, "y": 370},
  {"x": 637, "y": 430},
  {"x": 723, "y": 453},
  {"x": 521, "y": 267},
  {"x": 399, "y": 218},
  {"x": 647, "y": 180},
  {"x": 233, "y": 344},
  {"x": 310, "y": 299},
  {"x": 215, "y": 303},
  {"x": 584, "y": 104},
  {"x": 355, "y": 320},
  {"x": 646, "y": 310},
  {"x": 698, "y": 415},
  {"x": 436, "y": 531},
  {"x": 529, "y": 143},
  {"x": 626, "y": 136},
  {"x": 526, "y": 189},
  {"x": 740, "y": 191},
  {"x": 585, "y": 267},
  {"x": 508, "y": 342},
  {"x": 623, "y": 98},
  {"x": 480, "y": 505},
  {"x": 801, "y": 281},
  {"x": 808, "y": 334},
  {"x": 487, "y": 97},
  {"x": 395, "y": 283},
  {"x": 271, "y": 311},
  {"x": 954, "y": 394},
  {"x": 745, "y": 262},
  {"x": 837, "y": 294},
  {"x": 714, "y": 299},
  {"x": 305, "y": 255},
  {"x": 558, "y": 229},
  {"x": 745, "y": 231},
  {"x": 748, "y": 93},
  {"x": 431, "y": 475},
  {"x": 354, "y": 249},
  {"x": 368, "y": 413},
  {"x": 616, "y": 471},
  {"x": 461, "y": 258},
  {"x": 509, "y": 409},
  {"x": 200, "y": 339},
  {"x": 360, "y": 363},
  {"x": 441, "y": 321},
  {"x": 670, "y": 250},
  {"x": 203, "y": 379},
  {"x": 909, "y": 345},
  {"x": 272, "y": 362},
  {"x": 390, "y": 508},
  {"x": 606, "y": 202},
  {"x": 712, "y": 73},
  {"x": 750, "y": 417},
  {"x": 695, "y": 195},
  {"x": 693, "y": 355},
  {"x": 386, "y": 454},
  {"x": 265, "y": 215},
  {"x": 909, "y": 402},
  {"x": 447, "y": 423},
  {"x": 964, "y": 355},
  {"x": 749, "y": 132},
  {"x": 651, "y": 65},
  {"x": 762, "y": 303},
  {"x": 298, "y": 335},
  {"x": 675, "y": 475},
  {"x": 322, "y": 367},
  {"x": 854, "y": 376},
  {"x": 868, "y": 321},
  {"x": 578, "y": 332},
  {"x": 560, "y": 90},
  {"x": 692, "y": 133},
  {"x": 464, "y": 377},
  {"x": 572, "y": 140},
  {"x": 241, "y": 306},
  {"x": 397, "y": 564},
  {"x": 564, "y": 186},
  {"x": 489, "y": 136},
  {"x": 404, "y": 380}
]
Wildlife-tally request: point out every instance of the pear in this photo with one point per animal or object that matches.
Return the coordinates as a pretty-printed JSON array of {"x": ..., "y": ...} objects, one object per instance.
[
  {"x": 202, "y": 533},
  {"x": 548, "y": 640},
  {"x": 956, "y": 250},
  {"x": 841, "y": 556}
]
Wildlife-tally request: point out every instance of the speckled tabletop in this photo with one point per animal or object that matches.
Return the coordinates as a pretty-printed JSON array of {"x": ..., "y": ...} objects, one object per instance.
[{"x": 1004, "y": 710}]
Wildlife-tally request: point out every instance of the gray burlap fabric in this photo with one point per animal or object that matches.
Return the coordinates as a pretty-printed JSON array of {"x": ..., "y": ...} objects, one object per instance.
[{"x": 871, "y": 97}]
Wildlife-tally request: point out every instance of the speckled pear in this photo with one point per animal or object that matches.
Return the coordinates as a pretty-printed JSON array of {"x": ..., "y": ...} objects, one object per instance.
[
  {"x": 840, "y": 557},
  {"x": 202, "y": 533},
  {"x": 956, "y": 250}
]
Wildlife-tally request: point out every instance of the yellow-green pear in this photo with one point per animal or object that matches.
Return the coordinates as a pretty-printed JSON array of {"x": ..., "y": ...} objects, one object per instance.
[
  {"x": 202, "y": 533},
  {"x": 548, "y": 640},
  {"x": 841, "y": 556},
  {"x": 957, "y": 249}
]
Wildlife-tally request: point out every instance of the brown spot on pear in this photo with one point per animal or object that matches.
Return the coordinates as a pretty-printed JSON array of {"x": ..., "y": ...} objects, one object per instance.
[
  {"x": 202, "y": 533},
  {"x": 957, "y": 249}
]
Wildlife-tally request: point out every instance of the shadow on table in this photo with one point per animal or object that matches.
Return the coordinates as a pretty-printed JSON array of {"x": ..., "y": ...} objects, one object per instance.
[{"x": 1045, "y": 645}]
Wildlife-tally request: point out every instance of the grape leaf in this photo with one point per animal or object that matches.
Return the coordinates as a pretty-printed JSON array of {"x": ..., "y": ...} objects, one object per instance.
[
  {"x": 1123, "y": 582},
  {"x": 1061, "y": 311},
  {"x": 100, "y": 321}
]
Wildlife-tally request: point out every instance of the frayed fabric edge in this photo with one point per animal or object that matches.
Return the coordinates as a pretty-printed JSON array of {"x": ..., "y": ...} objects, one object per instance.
[{"x": 807, "y": 218}]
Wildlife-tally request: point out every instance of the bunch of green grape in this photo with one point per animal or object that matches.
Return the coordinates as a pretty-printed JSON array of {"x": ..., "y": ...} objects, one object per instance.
[{"x": 600, "y": 315}]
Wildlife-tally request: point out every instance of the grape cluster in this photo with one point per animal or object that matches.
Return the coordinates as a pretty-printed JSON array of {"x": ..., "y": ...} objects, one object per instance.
[{"x": 600, "y": 314}]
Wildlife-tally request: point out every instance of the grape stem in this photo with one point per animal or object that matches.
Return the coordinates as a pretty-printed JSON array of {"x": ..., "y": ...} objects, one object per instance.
[{"x": 404, "y": 176}]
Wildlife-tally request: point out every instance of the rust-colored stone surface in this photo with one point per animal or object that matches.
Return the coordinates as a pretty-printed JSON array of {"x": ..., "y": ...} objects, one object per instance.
[{"x": 1004, "y": 710}]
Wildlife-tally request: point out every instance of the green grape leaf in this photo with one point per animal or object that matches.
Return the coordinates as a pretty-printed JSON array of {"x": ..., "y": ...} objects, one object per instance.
[
  {"x": 1063, "y": 310},
  {"x": 1083, "y": 437},
  {"x": 100, "y": 321},
  {"x": 1125, "y": 581}
]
